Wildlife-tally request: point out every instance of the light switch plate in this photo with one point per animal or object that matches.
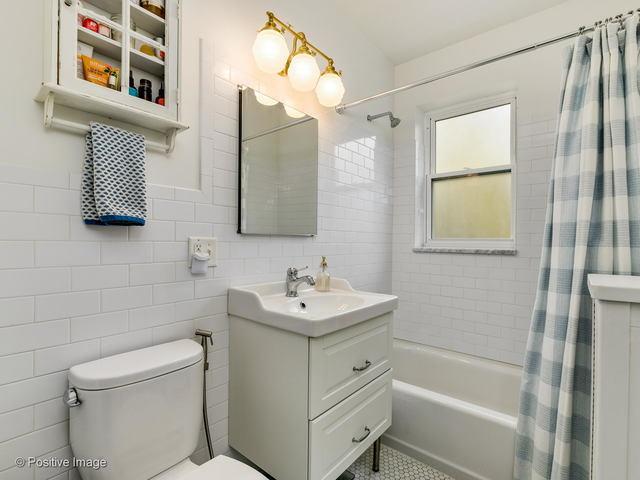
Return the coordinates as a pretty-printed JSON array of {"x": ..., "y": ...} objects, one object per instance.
[{"x": 207, "y": 245}]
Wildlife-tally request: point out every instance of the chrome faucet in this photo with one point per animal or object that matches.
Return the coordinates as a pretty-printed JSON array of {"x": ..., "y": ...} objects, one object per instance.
[{"x": 293, "y": 281}]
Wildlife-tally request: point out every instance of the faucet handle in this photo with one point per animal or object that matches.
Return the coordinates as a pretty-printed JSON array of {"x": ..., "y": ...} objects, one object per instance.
[{"x": 293, "y": 271}]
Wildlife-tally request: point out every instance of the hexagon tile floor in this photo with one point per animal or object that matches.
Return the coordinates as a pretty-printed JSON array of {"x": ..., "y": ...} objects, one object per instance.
[{"x": 394, "y": 466}]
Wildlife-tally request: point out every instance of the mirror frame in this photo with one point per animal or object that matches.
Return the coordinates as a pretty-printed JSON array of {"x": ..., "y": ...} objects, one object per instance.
[{"x": 241, "y": 89}]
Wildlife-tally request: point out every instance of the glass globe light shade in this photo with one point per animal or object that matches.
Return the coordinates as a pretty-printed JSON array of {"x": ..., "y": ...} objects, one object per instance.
[
  {"x": 270, "y": 50},
  {"x": 330, "y": 89},
  {"x": 293, "y": 113},
  {"x": 303, "y": 71},
  {"x": 265, "y": 99}
]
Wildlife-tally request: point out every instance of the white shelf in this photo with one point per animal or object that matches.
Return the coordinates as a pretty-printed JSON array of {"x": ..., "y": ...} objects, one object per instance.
[
  {"x": 147, "y": 63},
  {"x": 111, "y": 6},
  {"x": 101, "y": 44},
  {"x": 147, "y": 21},
  {"x": 107, "y": 108},
  {"x": 100, "y": 18}
]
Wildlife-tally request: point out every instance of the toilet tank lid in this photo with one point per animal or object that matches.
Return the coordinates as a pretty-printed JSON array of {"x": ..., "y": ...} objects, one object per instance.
[{"x": 135, "y": 366}]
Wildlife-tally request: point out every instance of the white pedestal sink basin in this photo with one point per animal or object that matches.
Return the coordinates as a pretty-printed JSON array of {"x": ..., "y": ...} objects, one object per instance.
[{"x": 312, "y": 313}]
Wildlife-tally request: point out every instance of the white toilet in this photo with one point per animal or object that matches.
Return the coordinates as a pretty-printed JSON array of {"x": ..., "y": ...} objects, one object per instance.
[{"x": 141, "y": 411}]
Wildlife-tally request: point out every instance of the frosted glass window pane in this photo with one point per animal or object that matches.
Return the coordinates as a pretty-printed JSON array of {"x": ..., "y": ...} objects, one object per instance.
[
  {"x": 475, "y": 140},
  {"x": 477, "y": 206}
]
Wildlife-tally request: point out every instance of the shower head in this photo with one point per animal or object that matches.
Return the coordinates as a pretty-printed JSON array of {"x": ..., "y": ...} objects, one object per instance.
[{"x": 395, "y": 121}]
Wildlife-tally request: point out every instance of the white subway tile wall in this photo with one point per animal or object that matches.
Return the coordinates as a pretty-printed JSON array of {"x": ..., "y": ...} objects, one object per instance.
[
  {"x": 475, "y": 304},
  {"x": 71, "y": 293}
]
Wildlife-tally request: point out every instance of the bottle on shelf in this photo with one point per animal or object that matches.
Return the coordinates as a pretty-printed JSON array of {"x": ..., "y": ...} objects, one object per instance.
[
  {"x": 160, "y": 97},
  {"x": 147, "y": 49},
  {"x": 90, "y": 24},
  {"x": 159, "y": 53},
  {"x": 144, "y": 90},
  {"x": 113, "y": 80},
  {"x": 133, "y": 91},
  {"x": 154, "y": 6}
]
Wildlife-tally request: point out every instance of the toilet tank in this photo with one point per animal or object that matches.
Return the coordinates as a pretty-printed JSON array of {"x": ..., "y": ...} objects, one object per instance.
[{"x": 140, "y": 411}]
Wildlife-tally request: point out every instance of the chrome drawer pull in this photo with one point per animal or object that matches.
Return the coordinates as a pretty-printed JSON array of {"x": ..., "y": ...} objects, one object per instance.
[
  {"x": 367, "y": 432},
  {"x": 367, "y": 364}
]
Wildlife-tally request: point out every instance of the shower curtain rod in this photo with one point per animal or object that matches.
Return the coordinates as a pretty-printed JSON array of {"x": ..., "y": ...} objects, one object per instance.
[{"x": 530, "y": 48}]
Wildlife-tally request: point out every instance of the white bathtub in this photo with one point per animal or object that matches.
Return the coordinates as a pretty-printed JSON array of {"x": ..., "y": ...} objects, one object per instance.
[{"x": 454, "y": 411}]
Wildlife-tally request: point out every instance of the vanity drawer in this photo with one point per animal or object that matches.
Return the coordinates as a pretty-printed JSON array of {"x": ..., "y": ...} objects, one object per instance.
[
  {"x": 343, "y": 362},
  {"x": 338, "y": 437}
]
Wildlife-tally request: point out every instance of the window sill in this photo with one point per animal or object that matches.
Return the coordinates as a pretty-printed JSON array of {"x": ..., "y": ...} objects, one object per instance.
[{"x": 469, "y": 251}]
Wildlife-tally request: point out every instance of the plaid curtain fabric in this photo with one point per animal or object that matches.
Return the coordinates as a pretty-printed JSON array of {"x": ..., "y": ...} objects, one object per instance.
[{"x": 592, "y": 226}]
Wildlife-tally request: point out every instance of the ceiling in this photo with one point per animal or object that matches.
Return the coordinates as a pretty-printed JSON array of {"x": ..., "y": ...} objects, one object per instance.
[{"x": 406, "y": 29}]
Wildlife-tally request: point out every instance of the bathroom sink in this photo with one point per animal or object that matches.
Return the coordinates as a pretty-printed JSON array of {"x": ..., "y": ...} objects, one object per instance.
[{"x": 311, "y": 313}]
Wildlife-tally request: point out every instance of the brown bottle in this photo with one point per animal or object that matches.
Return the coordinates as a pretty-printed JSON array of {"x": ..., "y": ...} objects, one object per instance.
[
  {"x": 160, "y": 97},
  {"x": 154, "y": 6}
]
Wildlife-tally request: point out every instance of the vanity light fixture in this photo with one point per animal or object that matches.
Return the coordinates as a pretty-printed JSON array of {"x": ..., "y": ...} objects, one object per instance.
[{"x": 273, "y": 56}]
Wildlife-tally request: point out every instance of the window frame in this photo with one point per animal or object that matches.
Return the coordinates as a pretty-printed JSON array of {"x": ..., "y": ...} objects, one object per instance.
[{"x": 428, "y": 175}]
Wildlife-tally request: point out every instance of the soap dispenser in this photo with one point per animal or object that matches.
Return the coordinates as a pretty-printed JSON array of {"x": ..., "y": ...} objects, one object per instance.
[{"x": 323, "y": 279}]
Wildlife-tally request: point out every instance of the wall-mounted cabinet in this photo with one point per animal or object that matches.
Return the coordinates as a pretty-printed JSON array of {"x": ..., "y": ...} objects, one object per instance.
[{"x": 116, "y": 58}]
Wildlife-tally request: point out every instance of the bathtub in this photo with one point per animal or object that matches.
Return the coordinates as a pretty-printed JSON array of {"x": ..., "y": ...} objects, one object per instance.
[{"x": 454, "y": 411}]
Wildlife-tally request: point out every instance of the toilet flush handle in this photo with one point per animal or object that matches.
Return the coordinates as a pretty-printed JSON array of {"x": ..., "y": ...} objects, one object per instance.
[{"x": 71, "y": 398}]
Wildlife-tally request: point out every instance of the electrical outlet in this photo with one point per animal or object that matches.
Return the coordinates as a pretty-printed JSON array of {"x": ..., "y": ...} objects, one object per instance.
[{"x": 206, "y": 245}]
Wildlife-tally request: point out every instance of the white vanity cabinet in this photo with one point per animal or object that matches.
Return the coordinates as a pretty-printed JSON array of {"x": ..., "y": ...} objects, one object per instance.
[
  {"x": 616, "y": 377},
  {"x": 305, "y": 408}
]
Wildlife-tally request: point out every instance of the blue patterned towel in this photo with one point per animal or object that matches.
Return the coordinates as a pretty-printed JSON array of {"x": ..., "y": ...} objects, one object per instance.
[{"x": 113, "y": 180}]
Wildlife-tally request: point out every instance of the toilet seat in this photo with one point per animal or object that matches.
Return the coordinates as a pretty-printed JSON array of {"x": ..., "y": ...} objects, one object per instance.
[{"x": 223, "y": 468}]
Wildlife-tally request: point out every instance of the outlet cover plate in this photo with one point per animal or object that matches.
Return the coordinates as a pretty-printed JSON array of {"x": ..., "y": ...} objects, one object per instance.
[{"x": 204, "y": 245}]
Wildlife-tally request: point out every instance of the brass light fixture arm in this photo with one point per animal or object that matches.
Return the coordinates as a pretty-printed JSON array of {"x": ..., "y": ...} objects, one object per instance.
[{"x": 298, "y": 36}]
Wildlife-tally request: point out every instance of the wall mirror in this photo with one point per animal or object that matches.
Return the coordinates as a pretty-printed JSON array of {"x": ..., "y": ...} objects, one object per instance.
[{"x": 278, "y": 165}]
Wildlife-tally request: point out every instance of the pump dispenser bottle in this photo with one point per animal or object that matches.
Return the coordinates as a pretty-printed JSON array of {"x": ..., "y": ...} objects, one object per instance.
[{"x": 323, "y": 279}]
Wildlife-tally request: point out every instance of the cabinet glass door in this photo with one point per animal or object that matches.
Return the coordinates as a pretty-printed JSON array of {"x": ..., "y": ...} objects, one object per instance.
[{"x": 121, "y": 50}]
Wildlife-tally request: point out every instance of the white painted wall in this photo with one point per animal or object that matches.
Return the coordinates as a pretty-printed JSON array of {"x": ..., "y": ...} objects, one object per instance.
[
  {"x": 71, "y": 293},
  {"x": 481, "y": 304}
]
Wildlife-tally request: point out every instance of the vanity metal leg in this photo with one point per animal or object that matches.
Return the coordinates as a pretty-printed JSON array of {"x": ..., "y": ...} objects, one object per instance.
[{"x": 376, "y": 455}]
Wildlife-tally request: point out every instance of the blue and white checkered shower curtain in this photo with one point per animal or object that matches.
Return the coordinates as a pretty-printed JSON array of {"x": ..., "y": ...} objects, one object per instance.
[{"x": 592, "y": 225}]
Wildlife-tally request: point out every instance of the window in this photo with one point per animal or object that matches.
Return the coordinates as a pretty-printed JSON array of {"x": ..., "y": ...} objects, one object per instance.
[{"x": 469, "y": 179}]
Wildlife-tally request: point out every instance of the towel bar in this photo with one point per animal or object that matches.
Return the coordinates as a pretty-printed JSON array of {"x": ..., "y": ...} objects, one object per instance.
[{"x": 50, "y": 122}]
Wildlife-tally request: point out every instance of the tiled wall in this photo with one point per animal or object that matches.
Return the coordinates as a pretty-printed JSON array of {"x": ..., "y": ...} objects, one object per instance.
[
  {"x": 482, "y": 304},
  {"x": 475, "y": 304},
  {"x": 71, "y": 293}
]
